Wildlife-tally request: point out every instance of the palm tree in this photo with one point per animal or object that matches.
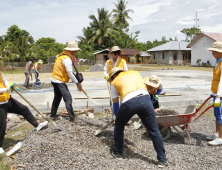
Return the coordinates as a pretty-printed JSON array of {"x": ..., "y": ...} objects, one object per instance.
[
  {"x": 120, "y": 15},
  {"x": 101, "y": 27}
]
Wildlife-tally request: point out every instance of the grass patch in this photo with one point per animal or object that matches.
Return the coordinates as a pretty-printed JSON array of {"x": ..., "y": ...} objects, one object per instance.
[
  {"x": 26, "y": 127},
  {"x": 18, "y": 71},
  {"x": 82, "y": 68}
]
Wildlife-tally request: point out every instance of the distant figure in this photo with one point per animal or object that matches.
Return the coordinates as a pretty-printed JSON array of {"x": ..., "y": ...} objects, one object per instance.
[
  {"x": 28, "y": 72},
  {"x": 115, "y": 61},
  {"x": 36, "y": 67}
]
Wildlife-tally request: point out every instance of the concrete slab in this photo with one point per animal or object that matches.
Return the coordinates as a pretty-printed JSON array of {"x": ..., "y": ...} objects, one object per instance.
[{"x": 194, "y": 87}]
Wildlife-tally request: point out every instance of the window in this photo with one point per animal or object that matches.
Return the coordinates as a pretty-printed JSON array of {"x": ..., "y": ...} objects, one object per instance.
[
  {"x": 105, "y": 57},
  {"x": 163, "y": 55},
  {"x": 153, "y": 56}
]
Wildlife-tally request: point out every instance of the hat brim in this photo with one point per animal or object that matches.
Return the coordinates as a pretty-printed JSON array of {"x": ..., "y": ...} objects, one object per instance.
[
  {"x": 40, "y": 62},
  {"x": 72, "y": 49},
  {"x": 151, "y": 83},
  {"x": 215, "y": 49},
  {"x": 111, "y": 77}
]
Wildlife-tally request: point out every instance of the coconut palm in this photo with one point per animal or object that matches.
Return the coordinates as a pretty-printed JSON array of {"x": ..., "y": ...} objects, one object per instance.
[
  {"x": 101, "y": 27},
  {"x": 120, "y": 15}
]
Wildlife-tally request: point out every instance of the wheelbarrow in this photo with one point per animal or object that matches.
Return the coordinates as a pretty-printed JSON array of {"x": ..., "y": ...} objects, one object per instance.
[{"x": 180, "y": 121}]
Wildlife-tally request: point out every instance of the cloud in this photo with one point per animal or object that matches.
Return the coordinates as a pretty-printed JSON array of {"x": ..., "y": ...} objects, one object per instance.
[{"x": 64, "y": 20}]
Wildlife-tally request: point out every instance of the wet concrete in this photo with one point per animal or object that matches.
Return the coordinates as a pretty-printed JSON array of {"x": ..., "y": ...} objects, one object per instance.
[{"x": 194, "y": 87}]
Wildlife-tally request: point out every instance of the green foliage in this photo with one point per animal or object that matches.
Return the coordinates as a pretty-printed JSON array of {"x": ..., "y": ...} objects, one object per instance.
[
  {"x": 191, "y": 33},
  {"x": 133, "y": 60},
  {"x": 86, "y": 51}
]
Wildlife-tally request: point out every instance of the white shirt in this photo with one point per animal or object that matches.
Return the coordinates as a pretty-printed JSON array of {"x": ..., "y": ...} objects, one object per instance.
[
  {"x": 35, "y": 67},
  {"x": 219, "y": 90},
  {"x": 130, "y": 95},
  {"x": 4, "y": 89},
  {"x": 67, "y": 62},
  {"x": 114, "y": 65}
]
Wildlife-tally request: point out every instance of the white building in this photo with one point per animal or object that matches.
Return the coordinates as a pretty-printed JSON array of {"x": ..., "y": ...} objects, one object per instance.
[{"x": 200, "y": 44}]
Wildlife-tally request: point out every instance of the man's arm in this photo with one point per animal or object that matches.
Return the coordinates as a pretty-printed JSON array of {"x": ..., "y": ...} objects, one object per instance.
[
  {"x": 6, "y": 84},
  {"x": 106, "y": 70},
  {"x": 125, "y": 68},
  {"x": 68, "y": 65},
  {"x": 115, "y": 98}
]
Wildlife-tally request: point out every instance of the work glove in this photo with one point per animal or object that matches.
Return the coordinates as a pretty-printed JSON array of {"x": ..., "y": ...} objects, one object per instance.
[
  {"x": 11, "y": 84},
  {"x": 106, "y": 77},
  {"x": 217, "y": 102},
  {"x": 156, "y": 97}
]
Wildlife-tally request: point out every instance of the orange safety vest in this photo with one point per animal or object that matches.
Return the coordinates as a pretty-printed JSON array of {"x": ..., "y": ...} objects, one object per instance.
[
  {"x": 38, "y": 66},
  {"x": 5, "y": 95},
  {"x": 150, "y": 89},
  {"x": 120, "y": 64},
  {"x": 127, "y": 82},
  {"x": 216, "y": 78},
  {"x": 59, "y": 70}
]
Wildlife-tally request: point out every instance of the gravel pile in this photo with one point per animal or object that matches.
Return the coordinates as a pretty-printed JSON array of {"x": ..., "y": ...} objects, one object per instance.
[
  {"x": 78, "y": 148},
  {"x": 165, "y": 112},
  {"x": 96, "y": 67}
]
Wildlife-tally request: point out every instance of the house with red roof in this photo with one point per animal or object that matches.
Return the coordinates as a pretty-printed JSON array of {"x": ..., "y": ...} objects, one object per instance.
[{"x": 200, "y": 44}]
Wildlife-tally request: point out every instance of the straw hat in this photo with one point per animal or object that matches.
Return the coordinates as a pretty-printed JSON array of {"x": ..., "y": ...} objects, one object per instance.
[
  {"x": 72, "y": 46},
  {"x": 114, "y": 71},
  {"x": 216, "y": 46},
  {"x": 115, "y": 48},
  {"x": 153, "y": 81},
  {"x": 40, "y": 61}
]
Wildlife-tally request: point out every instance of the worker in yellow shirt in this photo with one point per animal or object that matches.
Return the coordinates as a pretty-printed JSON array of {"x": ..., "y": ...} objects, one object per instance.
[
  {"x": 35, "y": 69},
  {"x": 10, "y": 105},
  {"x": 216, "y": 88},
  {"x": 154, "y": 87},
  {"x": 130, "y": 87},
  {"x": 62, "y": 72},
  {"x": 115, "y": 61}
]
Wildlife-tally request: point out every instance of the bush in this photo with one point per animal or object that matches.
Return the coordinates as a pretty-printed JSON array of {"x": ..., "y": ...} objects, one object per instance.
[{"x": 133, "y": 60}]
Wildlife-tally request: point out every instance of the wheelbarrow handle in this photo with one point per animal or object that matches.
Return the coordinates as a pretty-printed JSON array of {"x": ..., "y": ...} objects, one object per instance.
[{"x": 203, "y": 103}]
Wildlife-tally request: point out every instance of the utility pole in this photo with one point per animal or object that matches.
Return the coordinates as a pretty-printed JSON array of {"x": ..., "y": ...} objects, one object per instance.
[{"x": 196, "y": 21}]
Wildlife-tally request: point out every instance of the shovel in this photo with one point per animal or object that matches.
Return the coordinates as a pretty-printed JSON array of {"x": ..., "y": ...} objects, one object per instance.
[
  {"x": 90, "y": 98},
  {"x": 113, "y": 115},
  {"x": 53, "y": 123}
]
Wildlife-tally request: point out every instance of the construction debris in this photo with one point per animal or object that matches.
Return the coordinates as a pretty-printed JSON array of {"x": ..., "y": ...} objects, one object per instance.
[
  {"x": 164, "y": 112},
  {"x": 96, "y": 67}
]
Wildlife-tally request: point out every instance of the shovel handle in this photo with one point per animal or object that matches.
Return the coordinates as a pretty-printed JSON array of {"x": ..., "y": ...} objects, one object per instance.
[{"x": 30, "y": 104}]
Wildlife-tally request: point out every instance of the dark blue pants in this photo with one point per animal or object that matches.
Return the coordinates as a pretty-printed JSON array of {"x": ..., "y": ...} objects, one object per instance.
[{"x": 143, "y": 107}]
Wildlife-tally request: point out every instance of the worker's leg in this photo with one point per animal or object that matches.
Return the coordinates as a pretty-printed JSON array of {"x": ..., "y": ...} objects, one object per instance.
[
  {"x": 35, "y": 73},
  {"x": 16, "y": 107},
  {"x": 148, "y": 117},
  {"x": 3, "y": 116},
  {"x": 67, "y": 99},
  {"x": 26, "y": 83},
  {"x": 125, "y": 113},
  {"x": 57, "y": 99}
]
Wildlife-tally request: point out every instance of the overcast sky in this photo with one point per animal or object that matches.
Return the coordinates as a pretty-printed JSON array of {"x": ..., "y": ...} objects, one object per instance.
[{"x": 64, "y": 20}]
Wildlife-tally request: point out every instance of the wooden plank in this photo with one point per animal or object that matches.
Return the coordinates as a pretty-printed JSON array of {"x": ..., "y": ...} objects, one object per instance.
[
  {"x": 96, "y": 97},
  {"x": 107, "y": 97}
]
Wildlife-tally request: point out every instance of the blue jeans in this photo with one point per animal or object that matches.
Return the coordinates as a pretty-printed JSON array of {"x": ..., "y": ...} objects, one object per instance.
[
  {"x": 143, "y": 107},
  {"x": 36, "y": 74}
]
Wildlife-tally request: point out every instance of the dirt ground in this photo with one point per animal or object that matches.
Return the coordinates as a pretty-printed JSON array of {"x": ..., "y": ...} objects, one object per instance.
[{"x": 46, "y": 76}]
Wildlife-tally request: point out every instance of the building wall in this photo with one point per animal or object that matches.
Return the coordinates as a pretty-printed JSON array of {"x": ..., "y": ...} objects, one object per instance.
[
  {"x": 168, "y": 56},
  {"x": 198, "y": 51},
  {"x": 100, "y": 58}
]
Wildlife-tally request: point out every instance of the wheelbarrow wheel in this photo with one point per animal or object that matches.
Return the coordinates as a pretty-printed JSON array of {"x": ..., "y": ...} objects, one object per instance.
[{"x": 165, "y": 132}]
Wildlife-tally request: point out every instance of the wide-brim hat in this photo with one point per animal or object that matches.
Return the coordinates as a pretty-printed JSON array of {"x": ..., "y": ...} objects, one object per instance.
[
  {"x": 216, "y": 46},
  {"x": 40, "y": 61},
  {"x": 115, "y": 48},
  {"x": 114, "y": 71},
  {"x": 72, "y": 46},
  {"x": 153, "y": 81}
]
